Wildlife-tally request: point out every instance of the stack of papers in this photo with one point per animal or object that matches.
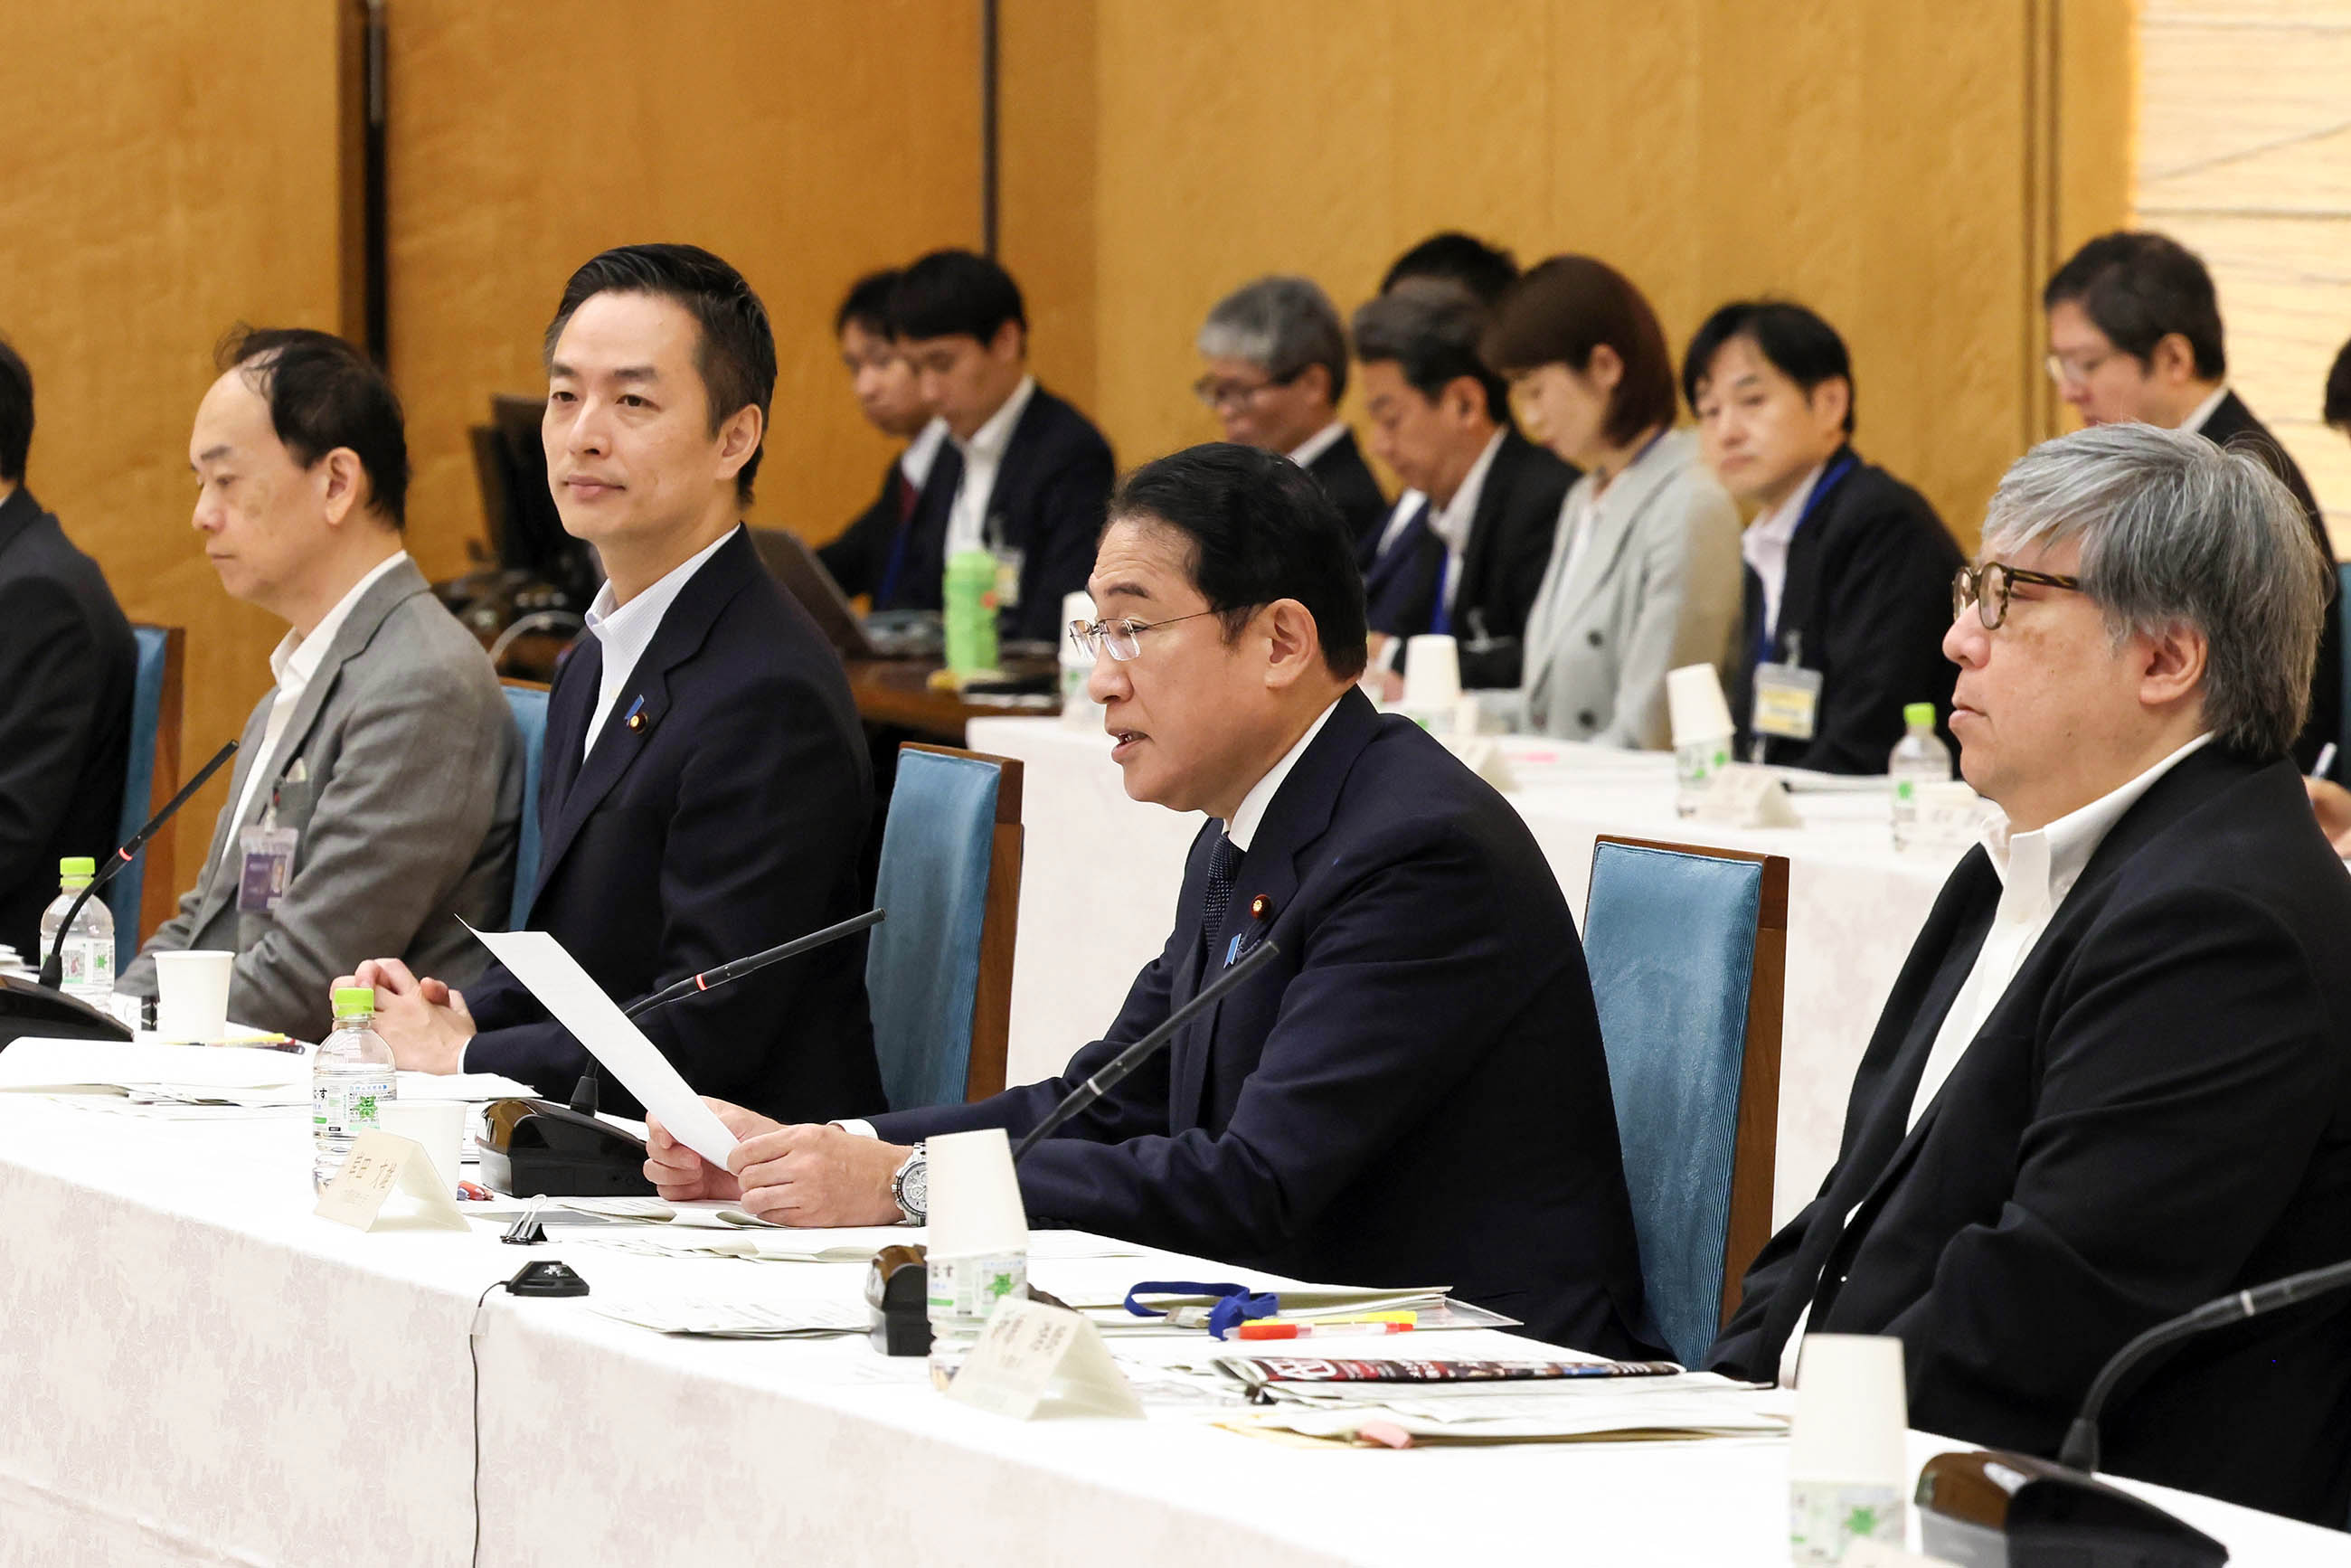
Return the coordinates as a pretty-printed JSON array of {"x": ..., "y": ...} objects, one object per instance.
[
  {"x": 155, "y": 1072},
  {"x": 1687, "y": 1405},
  {"x": 738, "y": 1320}
]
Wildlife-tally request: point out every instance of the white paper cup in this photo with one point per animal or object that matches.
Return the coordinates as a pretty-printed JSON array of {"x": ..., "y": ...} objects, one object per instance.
[
  {"x": 1432, "y": 672},
  {"x": 191, "y": 993},
  {"x": 438, "y": 1125},
  {"x": 975, "y": 1200},
  {"x": 1695, "y": 705}
]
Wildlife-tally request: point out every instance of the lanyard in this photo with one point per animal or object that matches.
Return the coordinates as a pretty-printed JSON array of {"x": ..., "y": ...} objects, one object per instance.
[
  {"x": 1843, "y": 465},
  {"x": 1234, "y": 1303}
]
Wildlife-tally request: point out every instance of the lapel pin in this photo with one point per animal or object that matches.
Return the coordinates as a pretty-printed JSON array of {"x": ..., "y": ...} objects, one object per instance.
[
  {"x": 636, "y": 719},
  {"x": 1260, "y": 907}
]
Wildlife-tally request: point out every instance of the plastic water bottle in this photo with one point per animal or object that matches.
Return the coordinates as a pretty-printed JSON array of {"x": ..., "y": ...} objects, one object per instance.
[
  {"x": 970, "y": 614},
  {"x": 87, "y": 968},
  {"x": 1696, "y": 763},
  {"x": 1919, "y": 757},
  {"x": 350, "y": 1080},
  {"x": 964, "y": 1292},
  {"x": 1079, "y": 709}
]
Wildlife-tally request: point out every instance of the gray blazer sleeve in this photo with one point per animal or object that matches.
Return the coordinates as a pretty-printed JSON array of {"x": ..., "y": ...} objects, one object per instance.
[{"x": 1688, "y": 608}]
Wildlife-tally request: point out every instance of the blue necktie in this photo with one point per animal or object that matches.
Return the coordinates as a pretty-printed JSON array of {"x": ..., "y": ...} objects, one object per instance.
[{"x": 1224, "y": 864}]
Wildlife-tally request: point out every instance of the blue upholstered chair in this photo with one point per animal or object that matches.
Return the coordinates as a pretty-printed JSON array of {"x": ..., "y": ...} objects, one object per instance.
[
  {"x": 1686, "y": 947},
  {"x": 938, "y": 969},
  {"x": 527, "y": 700},
  {"x": 152, "y": 777}
]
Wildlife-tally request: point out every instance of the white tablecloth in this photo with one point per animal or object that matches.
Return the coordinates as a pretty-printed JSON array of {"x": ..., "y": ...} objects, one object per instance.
[
  {"x": 195, "y": 1369},
  {"x": 1101, "y": 871}
]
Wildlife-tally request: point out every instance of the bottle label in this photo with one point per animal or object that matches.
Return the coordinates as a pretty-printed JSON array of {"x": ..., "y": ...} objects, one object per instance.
[
  {"x": 967, "y": 1289},
  {"x": 86, "y": 963},
  {"x": 348, "y": 1108},
  {"x": 1824, "y": 1518}
]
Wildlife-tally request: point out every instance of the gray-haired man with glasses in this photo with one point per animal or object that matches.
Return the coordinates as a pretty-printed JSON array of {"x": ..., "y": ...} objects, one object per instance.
[{"x": 2114, "y": 1079}]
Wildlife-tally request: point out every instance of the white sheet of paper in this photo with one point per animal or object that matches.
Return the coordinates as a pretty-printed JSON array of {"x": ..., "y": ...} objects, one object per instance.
[
  {"x": 467, "y": 1086},
  {"x": 50, "y": 1065},
  {"x": 1030, "y": 1351},
  {"x": 379, "y": 1165},
  {"x": 580, "y": 1005}
]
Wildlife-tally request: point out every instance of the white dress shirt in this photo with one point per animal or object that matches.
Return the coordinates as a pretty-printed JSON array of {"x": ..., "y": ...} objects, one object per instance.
[
  {"x": 2036, "y": 871},
  {"x": 1451, "y": 521},
  {"x": 1764, "y": 546},
  {"x": 982, "y": 454},
  {"x": 1316, "y": 445},
  {"x": 294, "y": 662},
  {"x": 625, "y": 630},
  {"x": 2203, "y": 410},
  {"x": 914, "y": 463},
  {"x": 1242, "y": 829}
]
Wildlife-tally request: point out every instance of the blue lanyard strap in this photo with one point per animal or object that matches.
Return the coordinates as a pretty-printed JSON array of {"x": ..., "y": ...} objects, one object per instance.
[
  {"x": 1234, "y": 1304},
  {"x": 1766, "y": 639}
]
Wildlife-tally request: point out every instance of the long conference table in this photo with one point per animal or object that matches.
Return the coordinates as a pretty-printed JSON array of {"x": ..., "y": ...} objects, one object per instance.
[
  {"x": 1101, "y": 874},
  {"x": 196, "y": 1369}
]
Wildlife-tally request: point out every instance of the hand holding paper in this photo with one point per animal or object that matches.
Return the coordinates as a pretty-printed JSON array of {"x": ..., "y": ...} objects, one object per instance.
[{"x": 580, "y": 1005}]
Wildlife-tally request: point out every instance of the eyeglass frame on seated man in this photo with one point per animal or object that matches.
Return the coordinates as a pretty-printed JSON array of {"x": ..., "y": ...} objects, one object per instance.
[
  {"x": 1967, "y": 585},
  {"x": 1215, "y": 394},
  {"x": 1094, "y": 637}
]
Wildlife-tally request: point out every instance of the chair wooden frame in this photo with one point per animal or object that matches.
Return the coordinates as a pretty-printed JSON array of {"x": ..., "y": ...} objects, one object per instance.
[
  {"x": 159, "y": 889},
  {"x": 1756, "y": 1148},
  {"x": 991, "y": 1008}
]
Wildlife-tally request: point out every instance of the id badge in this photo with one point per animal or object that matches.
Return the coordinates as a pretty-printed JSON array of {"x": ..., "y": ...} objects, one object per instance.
[
  {"x": 1787, "y": 700},
  {"x": 268, "y": 867}
]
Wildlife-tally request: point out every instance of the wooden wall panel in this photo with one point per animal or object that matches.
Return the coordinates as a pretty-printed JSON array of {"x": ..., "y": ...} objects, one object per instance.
[
  {"x": 1902, "y": 167},
  {"x": 160, "y": 183},
  {"x": 2246, "y": 159},
  {"x": 806, "y": 143}
]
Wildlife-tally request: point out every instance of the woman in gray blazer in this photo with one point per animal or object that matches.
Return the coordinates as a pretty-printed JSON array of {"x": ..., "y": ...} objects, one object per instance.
[{"x": 1644, "y": 570}]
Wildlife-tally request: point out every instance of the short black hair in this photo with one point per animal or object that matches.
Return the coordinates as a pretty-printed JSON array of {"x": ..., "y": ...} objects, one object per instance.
[
  {"x": 1431, "y": 329},
  {"x": 955, "y": 294},
  {"x": 1260, "y": 529},
  {"x": 867, "y": 303},
  {"x": 733, "y": 350},
  {"x": 1794, "y": 341},
  {"x": 2338, "y": 392},
  {"x": 16, "y": 414},
  {"x": 1484, "y": 270},
  {"x": 2138, "y": 287},
  {"x": 323, "y": 394}
]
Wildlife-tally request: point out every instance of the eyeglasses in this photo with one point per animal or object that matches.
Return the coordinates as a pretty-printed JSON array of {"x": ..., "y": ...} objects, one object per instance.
[
  {"x": 2074, "y": 370},
  {"x": 1118, "y": 638},
  {"x": 1217, "y": 393},
  {"x": 1986, "y": 587}
]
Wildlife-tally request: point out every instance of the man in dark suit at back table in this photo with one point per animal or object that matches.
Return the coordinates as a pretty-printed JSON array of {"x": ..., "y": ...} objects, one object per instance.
[
  {"x": 1848, "y": 571},
  {"x": 1471, "y": 561},
  {"x": 706, "y": 790},
  {"x": 2113, "y": 1080},
  {"x": 2135, "y": 334},
  {"x": 1413, "y": 1089},
  {"x": 66, "y": 668},
  {"x": 1036, "y": 472},
  {"x": 868, "y": 559},
  {"x": 1275, "y": 368}
]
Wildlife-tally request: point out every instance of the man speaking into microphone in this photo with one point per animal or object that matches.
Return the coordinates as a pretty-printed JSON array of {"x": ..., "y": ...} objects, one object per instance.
[
  {"x": 1412, "y": 1091},
  {"x": 706, "y": 786}
]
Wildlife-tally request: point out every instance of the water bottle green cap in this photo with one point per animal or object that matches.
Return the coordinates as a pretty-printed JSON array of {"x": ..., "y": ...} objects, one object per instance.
[
  {"x": 1918, "y": 715},
  {"x": 80, "y": 866},
  {"x": 349, "y": 1000}
]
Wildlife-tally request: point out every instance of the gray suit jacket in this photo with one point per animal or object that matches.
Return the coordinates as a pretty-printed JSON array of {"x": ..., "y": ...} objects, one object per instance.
[
  {"x": 407, "y": 818},
  {"x": 1656, "y": 587}
]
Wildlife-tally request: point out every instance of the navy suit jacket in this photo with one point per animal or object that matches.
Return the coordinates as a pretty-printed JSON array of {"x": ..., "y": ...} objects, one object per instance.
[
  {"x": 728, "y": 820},
  {"x": 1867, "y": 602},
  {"x": 859, "y": 559},
  {"x": 1051, "y": 491},
  {"x": 66, "y": 668},
  {"x": 1501, "y": 566},
  {"x": 1347, "y": 479},
  {"x": 2157, "y": 1113},
  {"x": 1411, "y": 1093}
]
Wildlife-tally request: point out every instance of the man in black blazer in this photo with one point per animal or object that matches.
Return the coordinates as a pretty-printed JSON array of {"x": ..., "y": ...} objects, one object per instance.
[
  {"x": 870, "y": 558},
  {"x": 1440, "y": 418},
  {"x": 1274, "y": 368},
  {"x": 1035, "y": 472},
  {"x": 66, "y": 666},
  {"x": 1413, "y": 1090},
  {"x": 1848, "y": 570},
  {"x": 2135, "y": 333},
  {"x": 706, "y": 790},
  {"x": 2113, "y": 1080}
]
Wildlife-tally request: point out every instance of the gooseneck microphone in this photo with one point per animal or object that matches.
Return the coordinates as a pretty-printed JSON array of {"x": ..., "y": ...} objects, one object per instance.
[
  {"x": 2081, "y": 1449},
  {"x": 53, "y": 966},
  {"x": 695, "y": 985},
  {"x": 1109, "y": 1076}
]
